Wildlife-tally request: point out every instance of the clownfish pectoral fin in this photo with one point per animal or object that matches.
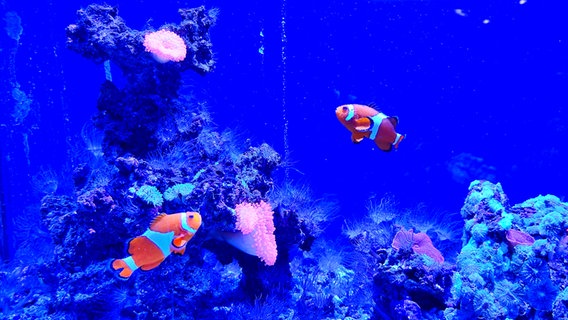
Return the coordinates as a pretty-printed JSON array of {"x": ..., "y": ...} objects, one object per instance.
[
  {"x": 357, "y": 137},
  {"x": 393, "y": 120},
  {"x": 179, "y": 242},
  {"x": 363, "y": 124},
  {"x": 151, "y": 266},
  {"x": 178, "y": 245},
  {"x": 124, "y": 271},
  {"x": 179, "y": 251}
]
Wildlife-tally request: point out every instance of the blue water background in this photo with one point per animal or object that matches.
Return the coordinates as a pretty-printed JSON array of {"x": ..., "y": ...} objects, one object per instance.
[{"x": 497, "y": 90}]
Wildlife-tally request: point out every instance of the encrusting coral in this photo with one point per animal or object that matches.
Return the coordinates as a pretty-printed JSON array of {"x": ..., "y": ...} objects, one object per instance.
[{"x": 513, "y": 269}]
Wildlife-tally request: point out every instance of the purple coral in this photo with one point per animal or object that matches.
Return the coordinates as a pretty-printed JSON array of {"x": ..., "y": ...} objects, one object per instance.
[
  {"x": 516, "y": 237},
  {"x": 419, "y": 242}
]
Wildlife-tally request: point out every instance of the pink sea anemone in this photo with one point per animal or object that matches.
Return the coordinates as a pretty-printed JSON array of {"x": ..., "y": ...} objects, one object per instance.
[
  {"x": 255, "y": 231},
  {"x": 165, "y": 46}
]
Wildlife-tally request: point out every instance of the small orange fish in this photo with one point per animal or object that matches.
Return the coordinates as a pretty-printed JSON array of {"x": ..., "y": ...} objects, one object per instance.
[
  {"x": 168, "y": 233},
  {"x": 366, "y": 122}
]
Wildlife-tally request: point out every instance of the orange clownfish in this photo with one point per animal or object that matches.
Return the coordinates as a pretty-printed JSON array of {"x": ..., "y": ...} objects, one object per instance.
[
  {"x": 366, "y": 122},
  {"x": 168, "y": 233}
]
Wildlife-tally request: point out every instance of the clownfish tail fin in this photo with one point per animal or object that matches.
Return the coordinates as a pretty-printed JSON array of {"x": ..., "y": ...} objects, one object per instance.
[
  {"x": 120, "y": 269},
  {"x": 399, "y": 138}
]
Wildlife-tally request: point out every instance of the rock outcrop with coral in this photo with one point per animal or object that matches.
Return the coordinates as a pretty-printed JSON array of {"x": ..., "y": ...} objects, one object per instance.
[
  {"x": 513, "y": 262},
  {"x": 158, "y": 153},
  {"x": 150, "y": 150}
]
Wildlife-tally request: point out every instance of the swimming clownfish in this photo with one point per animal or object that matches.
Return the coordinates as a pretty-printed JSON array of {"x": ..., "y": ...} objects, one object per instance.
[
  {"x": 366, "y": 122},
  {"x": 168, "y": 233}
]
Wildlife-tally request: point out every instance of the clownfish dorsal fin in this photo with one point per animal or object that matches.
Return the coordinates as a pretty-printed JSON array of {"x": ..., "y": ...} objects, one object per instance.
[
  {"x": 363, "y": 124},
  {"x": 157, "y": 219},
  {"x": 374, "y": 106},
  {"x": 394, "y": 121}
]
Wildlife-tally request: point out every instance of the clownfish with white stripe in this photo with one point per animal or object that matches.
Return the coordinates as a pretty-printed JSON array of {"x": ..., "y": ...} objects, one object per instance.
[
  {"x": 168, "y": 233},
  {"x": 366, "y": 122}
]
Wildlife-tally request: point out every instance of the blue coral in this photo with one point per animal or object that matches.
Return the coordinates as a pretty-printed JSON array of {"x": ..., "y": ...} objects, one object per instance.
[
  {"x": 541, "y": 295},
  {"x": 496, "y": 280},
  {"x": 534, "y": 272},
  {"x": 552, "y": 224},
  {"x": 179, "y": 191},
  {"x": 479, "y": 232},
  {"x": 150, "y": 195},
  {"x": 560, "y": 306},
  {"x": 486, "y": 306},
  {"x": 508, "y": 295}
]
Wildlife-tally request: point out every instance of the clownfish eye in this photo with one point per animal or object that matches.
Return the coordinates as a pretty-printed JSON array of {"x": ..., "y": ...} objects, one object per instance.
[
  {"x": 191, "y": 216},
  {"x": 345, "y": 109}
]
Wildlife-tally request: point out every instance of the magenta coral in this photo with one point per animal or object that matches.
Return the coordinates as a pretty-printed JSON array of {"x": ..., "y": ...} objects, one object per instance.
[
  {"x": 256, "y": 219},
  {"x": 165, "y": 46},
  {"x": 419, "y": 242},
  {"x": 516, "y": 237}
]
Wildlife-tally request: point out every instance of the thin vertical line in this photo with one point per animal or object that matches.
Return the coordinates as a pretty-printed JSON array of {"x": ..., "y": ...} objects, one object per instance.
[{"x": 284, "y": 111}]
